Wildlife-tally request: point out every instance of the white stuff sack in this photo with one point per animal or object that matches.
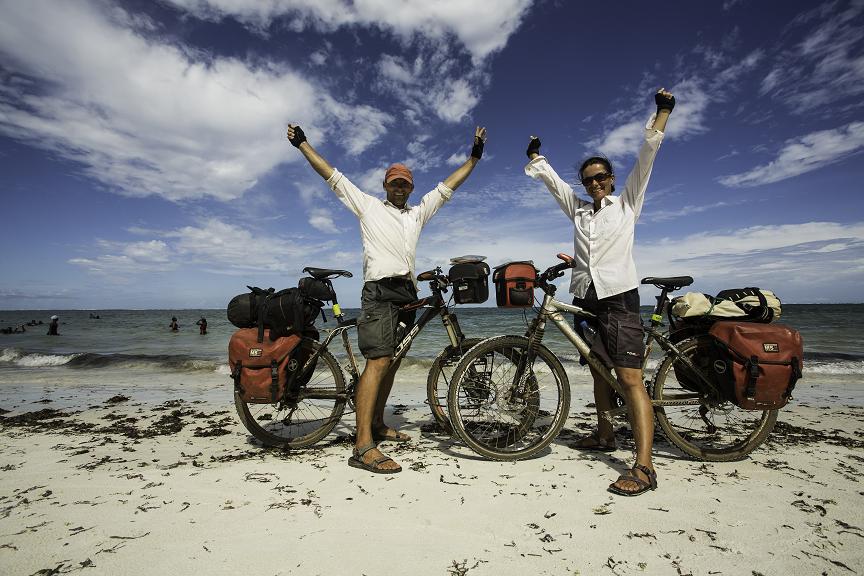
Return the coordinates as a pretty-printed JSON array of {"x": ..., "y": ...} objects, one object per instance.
[{"x": 750, "y": 304}]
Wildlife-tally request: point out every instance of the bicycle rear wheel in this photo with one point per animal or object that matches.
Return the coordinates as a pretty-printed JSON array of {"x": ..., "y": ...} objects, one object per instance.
[
  {"x": 311, "y": 417},
  {"x": 502, "y": 406},
  {"x": 717, "y": 431},
  {"x": 440, "y": 376}
]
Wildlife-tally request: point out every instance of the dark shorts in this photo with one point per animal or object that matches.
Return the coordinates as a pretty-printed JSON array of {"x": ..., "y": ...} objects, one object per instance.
[
  {"x": 380, "y": 316},
  {"x": 620, "y": 343}
]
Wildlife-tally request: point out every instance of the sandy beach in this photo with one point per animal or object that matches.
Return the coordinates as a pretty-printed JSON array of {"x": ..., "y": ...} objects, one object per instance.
[{"x": 102, "y": 478}]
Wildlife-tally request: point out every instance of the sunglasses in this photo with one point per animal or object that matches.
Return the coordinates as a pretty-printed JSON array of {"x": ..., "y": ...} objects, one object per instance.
[{"x": 599, "y": 178}]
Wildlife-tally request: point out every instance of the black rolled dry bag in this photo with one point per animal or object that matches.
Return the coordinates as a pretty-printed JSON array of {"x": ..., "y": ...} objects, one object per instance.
[{"x": 282, "y": 313}]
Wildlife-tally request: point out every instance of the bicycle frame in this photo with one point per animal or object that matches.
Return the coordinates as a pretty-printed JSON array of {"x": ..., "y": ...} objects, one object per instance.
[
  {"x": 551, "y": 309},
  {"x": 436, "y": 307}
]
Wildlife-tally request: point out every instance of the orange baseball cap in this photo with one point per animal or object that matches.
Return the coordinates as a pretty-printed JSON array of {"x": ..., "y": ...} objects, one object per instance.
[{"x": 398, "y": 171}]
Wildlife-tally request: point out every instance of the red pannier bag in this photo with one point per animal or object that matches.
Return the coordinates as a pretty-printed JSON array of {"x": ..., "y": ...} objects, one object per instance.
[
  {"x": 259, "y": 366},
  {"x": 514, "y": 284},
  {"x": 762, "y": 362}
]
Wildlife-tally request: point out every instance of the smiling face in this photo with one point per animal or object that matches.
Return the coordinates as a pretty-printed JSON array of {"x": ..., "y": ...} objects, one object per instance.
[
  {"x": 398, "y": 191},
  {"x": 598, "y": 181}
]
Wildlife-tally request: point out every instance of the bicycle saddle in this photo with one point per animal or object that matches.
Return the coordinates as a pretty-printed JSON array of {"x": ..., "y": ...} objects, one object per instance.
[
  {"x": 670, "y": 283},
  {"x": 427, "y": 276},
  {"x": 322, "y": 273}
]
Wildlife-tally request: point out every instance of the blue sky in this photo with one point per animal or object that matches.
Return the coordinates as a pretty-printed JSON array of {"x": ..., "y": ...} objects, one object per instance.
[{"x": 143, "y": 162}]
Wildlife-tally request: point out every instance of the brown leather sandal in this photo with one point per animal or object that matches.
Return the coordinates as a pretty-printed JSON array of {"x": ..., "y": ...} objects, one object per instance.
[
  {"x": 594, "y": 443},
  {"x": 632, "y": 477},
  {"x": 356, "y": 461},
  {"x": 383, "y": 435}
]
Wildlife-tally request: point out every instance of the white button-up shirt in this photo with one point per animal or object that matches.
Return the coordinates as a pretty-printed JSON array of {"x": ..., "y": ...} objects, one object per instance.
[
  {"x": 603, "y": 240},
  {"x": 389, "y": 234}
]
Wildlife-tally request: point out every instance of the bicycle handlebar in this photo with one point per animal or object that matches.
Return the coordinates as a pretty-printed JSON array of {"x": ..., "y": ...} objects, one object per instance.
[
  {"x": 558, "y": 270},
  {"x": 436, "y": 279}
]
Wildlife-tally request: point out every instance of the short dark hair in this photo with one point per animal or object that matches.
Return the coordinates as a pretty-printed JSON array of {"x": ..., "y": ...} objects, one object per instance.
[{"x": 597, "y": 160}]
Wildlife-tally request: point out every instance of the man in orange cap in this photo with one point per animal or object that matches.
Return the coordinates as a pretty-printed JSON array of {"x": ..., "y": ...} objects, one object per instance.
[{"x": 390, "y": 230}]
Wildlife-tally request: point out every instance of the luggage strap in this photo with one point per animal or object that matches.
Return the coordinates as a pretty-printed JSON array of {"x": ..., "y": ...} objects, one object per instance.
[
  {"x": 274, "y": 380},
  {"x": 751, "y": 366},
  {"x": 293, "y": 369},
  {"x": 261, "y": 311},
  {"x": 796, "y": 374},
  {"x": 235, "y": 375}
]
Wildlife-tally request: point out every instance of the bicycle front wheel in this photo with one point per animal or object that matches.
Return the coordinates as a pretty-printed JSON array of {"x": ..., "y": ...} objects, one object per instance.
[
  {"x": 506, "y": 404},
  {"x": 303, "y": 422},
  {"x": 706, "y": 429},
  {"x": 440, "y": 376}
]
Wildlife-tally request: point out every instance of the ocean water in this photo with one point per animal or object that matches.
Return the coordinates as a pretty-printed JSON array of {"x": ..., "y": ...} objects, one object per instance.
[{"x": 139, "y": 342}]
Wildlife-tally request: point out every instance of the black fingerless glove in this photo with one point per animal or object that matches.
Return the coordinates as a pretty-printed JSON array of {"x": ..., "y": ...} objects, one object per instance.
[
  {"x": 477, "y": 149},
  {"x": 664, "y": 102},
  {"x": 533, "y": 147},
  {"x": 299, "y": 137}
]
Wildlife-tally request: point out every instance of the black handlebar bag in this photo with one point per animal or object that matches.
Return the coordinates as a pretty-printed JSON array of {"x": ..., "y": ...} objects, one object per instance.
[{"x": 470, "y": 281}]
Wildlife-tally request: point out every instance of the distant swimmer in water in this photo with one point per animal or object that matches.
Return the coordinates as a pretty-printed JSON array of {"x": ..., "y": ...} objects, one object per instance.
[
  {"x": 203, "y": 324},
  {"x": 175, "y": 327},
  {"x": 52, "y": 327}
]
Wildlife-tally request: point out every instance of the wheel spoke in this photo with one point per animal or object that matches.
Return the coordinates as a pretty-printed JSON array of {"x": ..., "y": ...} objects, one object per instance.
[
  {"x": 438, "y": 381},
  {"x": 704, "y": 428},
  {"x": 311, "y": 416},
  {"x": 499, "y": 414}
]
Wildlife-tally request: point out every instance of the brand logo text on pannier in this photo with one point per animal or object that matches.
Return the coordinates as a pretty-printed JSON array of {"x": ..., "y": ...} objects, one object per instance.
[
  {"x": 255, "y": 352},
  {"x": 771, "y": 347}
]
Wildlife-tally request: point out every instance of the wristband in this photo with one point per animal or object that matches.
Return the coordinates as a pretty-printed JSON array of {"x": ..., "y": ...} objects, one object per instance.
[
  {"x": 477, "y": 149},
  {"x": 299, "y": 137},
  {"x": 533, "y": 146},
  {"x": 664, "y": 102}
]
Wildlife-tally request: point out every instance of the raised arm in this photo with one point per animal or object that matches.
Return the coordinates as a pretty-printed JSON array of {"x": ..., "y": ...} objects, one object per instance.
[
  {"x": 461, "y": 174},
  {"x": 665, "y": 103},
  {"x": 319, "y": 164},
  {"x": 543, "y": 171},
  {"x": 637, "y": 180}
]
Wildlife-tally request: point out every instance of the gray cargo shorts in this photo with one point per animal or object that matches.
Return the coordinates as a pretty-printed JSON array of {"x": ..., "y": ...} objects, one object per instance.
[{"x": 381, "y": 302}]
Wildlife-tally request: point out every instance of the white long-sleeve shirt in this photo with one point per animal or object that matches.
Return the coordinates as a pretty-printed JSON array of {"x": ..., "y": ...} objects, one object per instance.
[
  {"x": 389, "y": 234},
  {"x": 603, "y": 240}
]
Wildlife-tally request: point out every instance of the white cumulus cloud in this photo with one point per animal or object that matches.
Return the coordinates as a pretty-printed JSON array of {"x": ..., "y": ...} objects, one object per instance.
[
  {"x": 803, "y": 154},
  {"x": 144, "y": 116}
]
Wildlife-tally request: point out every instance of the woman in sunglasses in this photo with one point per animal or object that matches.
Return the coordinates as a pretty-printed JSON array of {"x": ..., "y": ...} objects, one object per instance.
[{"x": 604, "y": 282}]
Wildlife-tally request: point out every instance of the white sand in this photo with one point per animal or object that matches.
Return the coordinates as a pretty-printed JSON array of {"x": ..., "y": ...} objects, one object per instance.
[{"x": 104, "y": 503}]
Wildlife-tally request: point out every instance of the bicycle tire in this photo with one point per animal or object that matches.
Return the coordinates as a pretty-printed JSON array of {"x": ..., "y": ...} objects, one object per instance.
[
  {"x": 440, "y": 376},
  {"x": 736, "y": 432},
  {"x": 300, "y": 424},
  {"x": 496, "y": 420}
]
